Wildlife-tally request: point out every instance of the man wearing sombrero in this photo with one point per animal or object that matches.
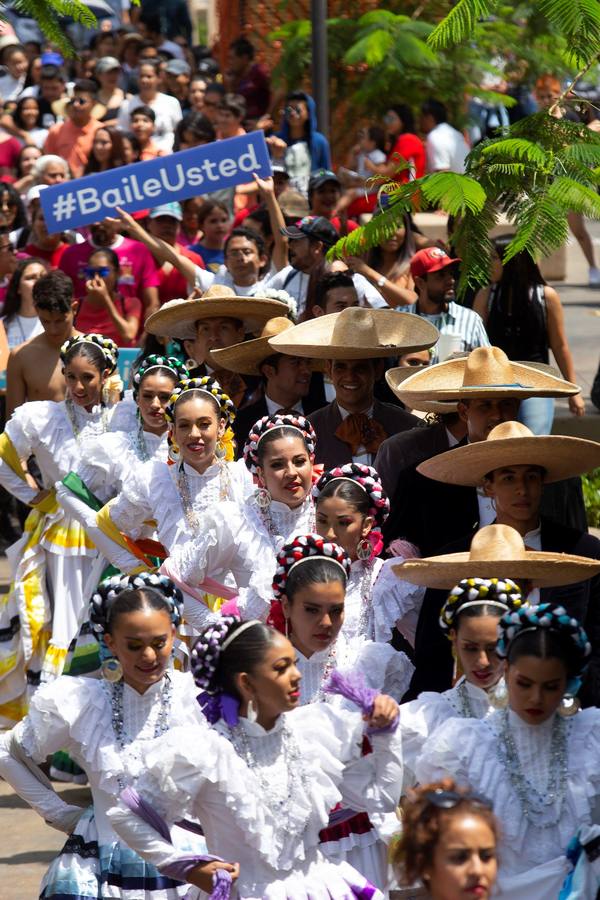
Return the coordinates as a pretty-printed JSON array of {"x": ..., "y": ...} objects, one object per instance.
[
  {"x": 511, "y": 467},
  {"x": 354, "y": 342},
  {"x": 216, "y": 319},
  {"x": 488, "y": 388},
  {"x": 286, "y": 379}
]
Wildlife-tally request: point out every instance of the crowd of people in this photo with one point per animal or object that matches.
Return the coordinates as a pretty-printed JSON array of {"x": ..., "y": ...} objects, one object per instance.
[{"x": 309, "y": 598}]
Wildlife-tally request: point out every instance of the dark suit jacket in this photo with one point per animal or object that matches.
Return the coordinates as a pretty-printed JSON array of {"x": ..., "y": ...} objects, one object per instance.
[
  {"x": 246, "y": 418},
  {"x": 406, "y": 450},
  {"x": 433, "y": 653},
  {"x": 331, "y": 451}
]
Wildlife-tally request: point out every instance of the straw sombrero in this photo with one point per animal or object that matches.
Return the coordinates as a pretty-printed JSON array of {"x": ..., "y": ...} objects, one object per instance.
[
  {"x": 357, "y": 333},
  {"x": 177, "y": 318},
  {"x": 245, "y": 358},
  {"x": 398, "y": 376},
  {"x": 513, "y": 444},
  {"x": 486, "y": 372},
  {"x": 498, "y": 551}
]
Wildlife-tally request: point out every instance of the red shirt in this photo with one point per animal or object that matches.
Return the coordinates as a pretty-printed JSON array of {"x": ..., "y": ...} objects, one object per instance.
[
  {"x": 9, "y": 155},
  {"x": 172, "y": 285},
  {"x": 138, "y": 269},
  {"x": 412, "y": 149},
  {"x": 96, "y": 319},
  {"x": 53, "y": 257}
]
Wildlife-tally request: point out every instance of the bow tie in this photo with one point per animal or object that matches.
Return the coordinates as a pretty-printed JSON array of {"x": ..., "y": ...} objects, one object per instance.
[
  {"x": 360, "y": 430},
  {"x": 232, "y": 383}
]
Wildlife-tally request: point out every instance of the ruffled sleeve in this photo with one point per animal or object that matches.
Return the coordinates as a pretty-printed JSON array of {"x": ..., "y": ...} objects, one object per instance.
[
  {"x": 395, "y": 603},
  {"x": 384, "y": 669},
  {"x": 132, "y": 506},
  {"x": 418, "y": 720},
  {"x": 101, "y": 458},
  {"x": 449, "y": 752},
  {"x": 23, "y": 427}
]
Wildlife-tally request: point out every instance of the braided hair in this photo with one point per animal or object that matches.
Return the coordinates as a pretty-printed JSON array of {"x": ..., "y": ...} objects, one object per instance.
[
  {"x": 276, "y": 426},
  {"x": 169, "y": 365},
  {"x": 129, "y": 593},
  {"x": 225, "y": 648},
  {"x": 207, "y": 385},
  {"x": 544, "y": 632},
  {"x": 331, "y": 484},
  {"x": 480, "y": 596},
  {"x": 76, "y": 346}
]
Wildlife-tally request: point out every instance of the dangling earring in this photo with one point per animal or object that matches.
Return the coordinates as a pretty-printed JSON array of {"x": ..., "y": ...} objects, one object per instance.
[
  {"x": 174, "y": 452},
  {"x": 364, "y": 549},
  {"x": 105, "y": 394},
  {"x": 251, "y": 713},
  {"x": 286, "y": 626},
  {"x": 112, "y": 670},
  {"x": 220, "y": 450},
  {"x": 263, "y": 498},
  {"x": 498, "y": 695},
  {"x": 569, "y": 706}
]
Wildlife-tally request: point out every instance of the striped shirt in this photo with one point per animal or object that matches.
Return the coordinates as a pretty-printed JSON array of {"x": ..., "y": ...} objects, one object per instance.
[{"x": 455, "y": 320}]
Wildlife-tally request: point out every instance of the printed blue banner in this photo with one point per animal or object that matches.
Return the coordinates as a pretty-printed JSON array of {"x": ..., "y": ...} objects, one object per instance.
[{"x": 143, "y": 185}]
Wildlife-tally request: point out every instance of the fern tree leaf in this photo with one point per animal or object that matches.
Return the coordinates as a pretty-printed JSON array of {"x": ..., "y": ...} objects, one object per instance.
[
  {"x": 460, "y": 23},
  {"x": 541, "y": 228},
  {"x": 572, "y": 195},
  {"x": 515, "y": 148},
  {"x": 372, "y": 48},
  {"x": 579, "y": 22},
  {"x": 454, "y": 193},
  {"x": 472, "y": 241}
]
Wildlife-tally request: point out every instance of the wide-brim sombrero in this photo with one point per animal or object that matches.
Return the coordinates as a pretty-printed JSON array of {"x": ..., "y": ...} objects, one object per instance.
[
  {"x": 513, "y": 444},
  {"x": 177, "y": 318},
  {"x": 485, "y": 373},
  {"x": 498, "y": 551},
  {"x": 398, "y": 376},
  {"x": 245, "y": 358},
  {"x": 357, "y": 333}
]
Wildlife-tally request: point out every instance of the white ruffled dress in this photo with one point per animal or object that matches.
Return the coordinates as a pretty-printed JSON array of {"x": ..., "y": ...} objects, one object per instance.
[
  {"x": 531, "y": 853},
  {"x": 420, "y": 718},
  {"x": 377, "y": 600},
  {"x": 274, "y": 834},
  {"x": 236, "y": 543},
  {"x": 54, "y": 565},
  {"x": 113, "y": 458},
  {"x": 76, "y": 714}
]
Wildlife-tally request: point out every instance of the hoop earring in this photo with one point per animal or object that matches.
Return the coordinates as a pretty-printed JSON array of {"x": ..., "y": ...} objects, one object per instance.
[
  {"x": 112, "y": 670},
  {"x": 220, "y": 450},
  {"x": 251, "y": 713},
  {"x": 364, "y": 549},
  {"x": 174, "y": 453},
  {"x": 498, "y": 695},
  {"x": 569, "y": 706}
]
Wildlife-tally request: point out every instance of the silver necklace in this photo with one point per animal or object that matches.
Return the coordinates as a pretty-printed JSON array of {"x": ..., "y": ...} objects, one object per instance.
[
  {"x": 183, "y": 486},
  {"x": 140, "y": 446},
  {"x": 267, "y": 519},
  {"x": 466, "y": 710},
  {"x": 366, "y": 625},
  {"x": 116, "y": 691},
  {"x": 297, "y": 778},
  {"x": 72, "y": 416},
  {"x": 533, "y": 803}
]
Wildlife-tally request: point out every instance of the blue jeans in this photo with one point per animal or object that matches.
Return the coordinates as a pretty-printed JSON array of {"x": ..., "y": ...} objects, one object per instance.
[{"x": 538, "y": 414}]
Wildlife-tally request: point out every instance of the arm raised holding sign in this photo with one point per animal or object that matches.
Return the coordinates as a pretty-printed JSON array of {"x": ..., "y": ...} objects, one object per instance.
[{"x": 163, "y": 253}]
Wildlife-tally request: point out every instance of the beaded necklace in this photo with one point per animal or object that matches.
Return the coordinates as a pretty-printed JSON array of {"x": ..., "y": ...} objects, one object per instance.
[
  {"x": 297, "y": 778},
  {"x": 140, "y": 446},
  {"x": 116, "y": 702},
  {"x": 366, "y": 625},
  {"x": 71, "y": 415},
  {"x": 466, "y": 710},
  {"x": 533, "y": 803},
  {"x": 183, "y": 486},
  {"x": 267, "y": 519}
]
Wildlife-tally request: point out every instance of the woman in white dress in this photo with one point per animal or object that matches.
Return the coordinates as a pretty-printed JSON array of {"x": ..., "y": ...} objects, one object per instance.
[
  {"x": 351, "y": 508},
  {"x": 105, "y": 725},
  {"x": 55, "y": 565},
  {"x": 176, "y": 497},
  {"x": 244, "y": 538},
  {"x": 469, "y": 619},
  {"x": 448, "y": 846},
  {"x": 538, "y": 760},
  {"x": 309, "y": 607},
  {"x": 263, "y": 780}
]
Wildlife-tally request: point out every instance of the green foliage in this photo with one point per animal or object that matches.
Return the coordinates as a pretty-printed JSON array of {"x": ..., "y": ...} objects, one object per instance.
[
  {"x": 591, "y": 497},
  {"x": 48, "y": 14},
  {"x": 460, "y": 22}
]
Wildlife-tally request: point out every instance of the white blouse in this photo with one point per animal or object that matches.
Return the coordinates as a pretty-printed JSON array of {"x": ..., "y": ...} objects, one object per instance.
[
  {"x": 114, "y": 458},
  {"x": 264, "y": 796},
  {"x": 377, "y": 600},
  {"x": 474, "y": 751}
]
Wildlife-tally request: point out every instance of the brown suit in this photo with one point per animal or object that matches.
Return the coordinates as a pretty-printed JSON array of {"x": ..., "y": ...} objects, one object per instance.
[{"x": 331, "y": 451}]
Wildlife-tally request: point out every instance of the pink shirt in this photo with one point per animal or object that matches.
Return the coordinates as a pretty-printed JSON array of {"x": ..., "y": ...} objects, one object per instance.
[{"x": 138, "y": 269}]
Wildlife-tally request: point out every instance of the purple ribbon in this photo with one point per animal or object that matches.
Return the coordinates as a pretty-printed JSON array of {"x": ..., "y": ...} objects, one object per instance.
[
  {"x": 220, "y": 706},
  {"x": 180, "y": 868},
  {"x": 353, "y": 688}
]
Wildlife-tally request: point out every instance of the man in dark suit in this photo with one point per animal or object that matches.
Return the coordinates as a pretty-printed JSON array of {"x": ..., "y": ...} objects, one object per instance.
[{"x": 352, "y": 427}]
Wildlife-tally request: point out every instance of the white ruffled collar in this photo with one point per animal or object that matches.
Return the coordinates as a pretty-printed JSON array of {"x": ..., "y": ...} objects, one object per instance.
[
  {"x": 541, "y": 731},
  {"x": 209, "y": 473},
  {"x": 254, "y": 730}
]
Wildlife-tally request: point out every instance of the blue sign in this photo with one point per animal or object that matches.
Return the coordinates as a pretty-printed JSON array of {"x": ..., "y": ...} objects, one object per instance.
[{"x": 143, "y": 185}]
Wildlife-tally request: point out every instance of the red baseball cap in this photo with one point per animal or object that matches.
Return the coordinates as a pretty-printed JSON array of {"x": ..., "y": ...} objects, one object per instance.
[{"x": 430, "y": 259}]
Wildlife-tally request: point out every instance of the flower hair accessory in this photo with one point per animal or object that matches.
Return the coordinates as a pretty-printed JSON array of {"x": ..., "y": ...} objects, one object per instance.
[
  {"x": 283, "y": 297},
  {"x": 500, "y": 592},
  {"x": 532, "y": 618},
  {"x": 209, "y": 386},
  {"x": 154, "y": 361},
  {"x": 267, "y": 424},
  {"x": 108, "y": 347},
  {"x": 108, "y": 590},
  {"x": 301, "y": 549},
  {"x": 365, "y": 477}
]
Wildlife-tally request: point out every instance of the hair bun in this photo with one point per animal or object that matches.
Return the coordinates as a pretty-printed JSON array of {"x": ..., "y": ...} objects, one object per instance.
[
  {"x": 301, "y": 548},
  {"x": 205, "y": 654},
  {"x": 103, "y": 598},
  {"x": 368, "y": 479},
  {"x": 269, "y": 423}
]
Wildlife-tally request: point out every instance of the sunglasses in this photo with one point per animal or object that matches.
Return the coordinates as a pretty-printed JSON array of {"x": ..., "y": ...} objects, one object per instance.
[
  {"x": 449, "y": 799},
  {"x": 293, "y": 110},
  {"x": 79, "y": 101},
  {"x": 102, "y": 271}
]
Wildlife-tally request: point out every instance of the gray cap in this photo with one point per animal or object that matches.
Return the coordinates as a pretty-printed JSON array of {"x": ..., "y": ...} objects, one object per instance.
[
  {"x": 106, "y": 64},
  {"x": 178, "y": 67}
]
